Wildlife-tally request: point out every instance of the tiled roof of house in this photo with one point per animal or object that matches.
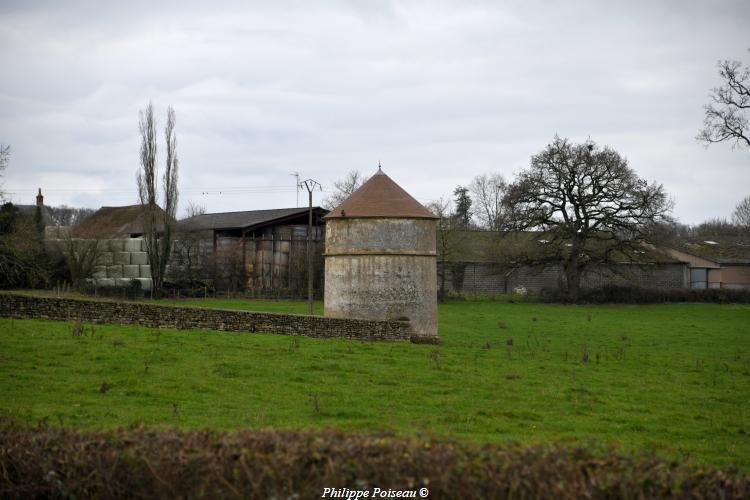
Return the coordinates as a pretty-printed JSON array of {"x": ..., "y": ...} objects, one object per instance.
[{"x": 112, "y": 222}]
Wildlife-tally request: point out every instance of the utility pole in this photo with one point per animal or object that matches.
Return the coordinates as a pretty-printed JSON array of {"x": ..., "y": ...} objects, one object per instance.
[{"x": 310, "y": 185}]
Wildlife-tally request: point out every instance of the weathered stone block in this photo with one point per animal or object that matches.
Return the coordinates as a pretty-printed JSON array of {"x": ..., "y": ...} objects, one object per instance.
[
  {"x": 143, "y": 245},
  {"x": 115, "y": 245},
  {"x": 122, "y": 258},
  {"x": 145, "y": 271},
  {"x": 140, "y": 258},
  {"x": 105, "y": 282},
  {"x": 105, "y": 259},
  {"x": 114, "y": 271},
  {"x": 100, "y": 272},
  {"x": 131, "y": 271},
  {"x": 132, "y": 245}
]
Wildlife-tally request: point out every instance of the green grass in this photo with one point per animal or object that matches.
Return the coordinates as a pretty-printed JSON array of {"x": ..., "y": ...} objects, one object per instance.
[{"x": 674, "y": 378}]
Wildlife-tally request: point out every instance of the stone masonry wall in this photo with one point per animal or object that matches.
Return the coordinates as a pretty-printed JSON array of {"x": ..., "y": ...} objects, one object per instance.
[
  {"x": 159, "y": 316},
  {"x": 486, "y": 278}
]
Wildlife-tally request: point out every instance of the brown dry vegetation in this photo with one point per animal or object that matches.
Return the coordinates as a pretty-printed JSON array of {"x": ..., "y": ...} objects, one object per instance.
[{"x": 58, "y": 462}]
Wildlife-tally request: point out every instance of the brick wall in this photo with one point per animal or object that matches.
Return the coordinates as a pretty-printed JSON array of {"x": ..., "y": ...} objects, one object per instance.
[{"x": 156, "y": 316}]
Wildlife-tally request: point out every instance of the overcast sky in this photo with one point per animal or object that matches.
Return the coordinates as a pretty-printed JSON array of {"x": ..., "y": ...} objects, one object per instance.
[{"x": 437, "y": 91}]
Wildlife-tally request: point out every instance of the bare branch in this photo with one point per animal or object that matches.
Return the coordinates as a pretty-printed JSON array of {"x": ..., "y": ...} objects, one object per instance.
[
  {"x": 726, "y": 117},
  {"x": 343, "y": 188}
]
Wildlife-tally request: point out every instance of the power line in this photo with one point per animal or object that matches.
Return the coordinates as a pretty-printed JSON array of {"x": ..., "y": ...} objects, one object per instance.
[{"x": 203, "y": 190}]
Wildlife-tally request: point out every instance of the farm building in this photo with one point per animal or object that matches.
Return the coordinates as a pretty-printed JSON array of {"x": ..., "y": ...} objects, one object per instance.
[
  {"x": 262, "y": 251},
  {"x": 482, "y": 262},
  {"x": 380, "y": 257},
  {"x": 720, "y": 262}
]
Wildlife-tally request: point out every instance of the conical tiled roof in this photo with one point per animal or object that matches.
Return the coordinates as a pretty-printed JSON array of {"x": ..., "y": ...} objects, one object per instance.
[{"x": 380, "y": 197}]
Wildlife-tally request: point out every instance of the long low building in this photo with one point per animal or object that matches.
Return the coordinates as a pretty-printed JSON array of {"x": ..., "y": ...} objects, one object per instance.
[
  {"x": 720, "y": 262},
  {"x": 484, "y": 262},
  {"x": 259, "y": 250}
]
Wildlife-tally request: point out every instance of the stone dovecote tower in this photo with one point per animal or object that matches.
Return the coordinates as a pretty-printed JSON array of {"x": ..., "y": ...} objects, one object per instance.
[{"x": 380, "y": 257}]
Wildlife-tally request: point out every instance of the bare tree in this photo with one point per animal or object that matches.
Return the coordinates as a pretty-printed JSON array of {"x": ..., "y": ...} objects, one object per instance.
[
  {"x": 192, "y": 209},
  {"x": 64, "y": 215},
  {"x": 741, "y": 215},
  {"x": 447, "y": 239},
  {"x": 343, "y": 188},
  {"x": 488, "y": 191},
  {"x": 190, "y": 258},
  {"x": 726, "y": 116},
  {"x": 4, "y": 159},
  {"x": 80, "y": 257},
  {"x": 227, "y": 265},
  {"x": 158, "y": 225},
  {"x": 590, "y": 208}
]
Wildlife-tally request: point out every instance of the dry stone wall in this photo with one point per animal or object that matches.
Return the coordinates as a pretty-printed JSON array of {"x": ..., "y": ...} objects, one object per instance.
[{"x": 158, "y": 316}]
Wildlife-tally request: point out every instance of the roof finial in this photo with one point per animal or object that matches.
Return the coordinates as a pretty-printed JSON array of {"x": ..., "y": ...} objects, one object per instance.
[{"x": 380, "y": 169}]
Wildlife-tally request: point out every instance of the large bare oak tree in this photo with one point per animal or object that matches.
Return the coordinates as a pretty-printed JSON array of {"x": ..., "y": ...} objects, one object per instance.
[
  {"x": 589, "y": 207},
  {"x": 726, "y": 116},
  {"x": 158, "y": 225}
]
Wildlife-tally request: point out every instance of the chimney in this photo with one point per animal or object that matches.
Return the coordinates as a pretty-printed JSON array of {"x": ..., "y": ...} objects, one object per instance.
[{"x": 40, "y": 199}]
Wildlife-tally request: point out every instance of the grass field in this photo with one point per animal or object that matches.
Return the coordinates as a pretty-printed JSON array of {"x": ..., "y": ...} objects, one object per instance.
[{"x": 674, "y": 378}]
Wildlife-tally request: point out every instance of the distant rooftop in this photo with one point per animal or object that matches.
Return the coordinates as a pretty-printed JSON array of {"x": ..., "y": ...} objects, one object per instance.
[
  {"x": 722, "y": 249},
  {"x": 113, "y": 222},
  {"x": 380, "y": 196}
]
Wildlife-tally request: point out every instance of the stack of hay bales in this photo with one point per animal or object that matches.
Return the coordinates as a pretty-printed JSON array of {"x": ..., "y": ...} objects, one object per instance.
[
  {"x": 122, "y": 261},
  {"x": 119, "y": 261}
]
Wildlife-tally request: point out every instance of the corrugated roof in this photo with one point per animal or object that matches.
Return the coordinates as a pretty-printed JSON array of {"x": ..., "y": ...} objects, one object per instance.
[
  {"x": 112, "y": 222},
  {"x": 240, "y": 220},
  {"x": 722, "y": 249},
  {"x": 380, "y": 196}
]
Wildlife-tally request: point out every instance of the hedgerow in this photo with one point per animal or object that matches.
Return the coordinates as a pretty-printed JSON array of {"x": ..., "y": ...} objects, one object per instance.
[
  {"x": 637, "y": 295},
  {"x": 149, "y": 463}
]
